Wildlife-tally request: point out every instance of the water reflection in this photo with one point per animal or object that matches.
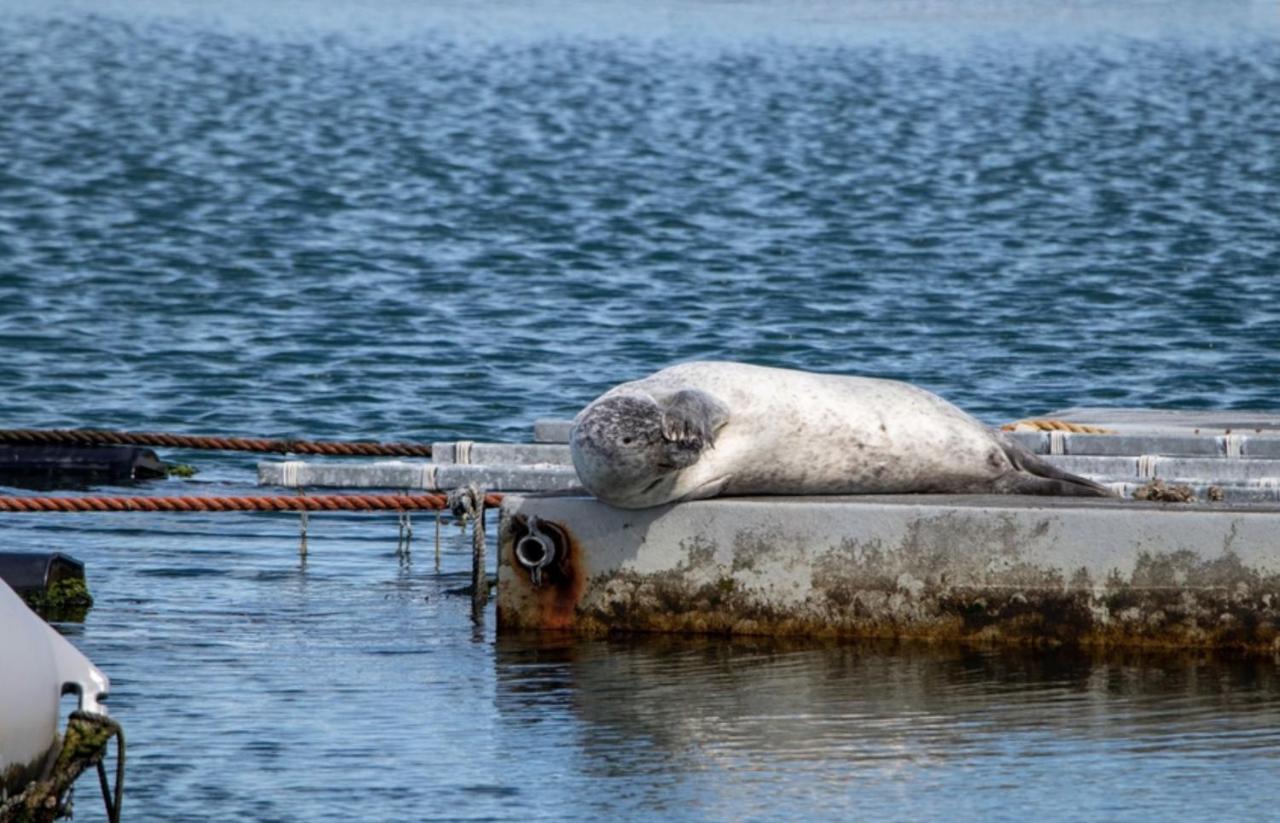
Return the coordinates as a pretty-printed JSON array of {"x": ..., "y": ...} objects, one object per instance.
[{"x": 805, "y": 719}]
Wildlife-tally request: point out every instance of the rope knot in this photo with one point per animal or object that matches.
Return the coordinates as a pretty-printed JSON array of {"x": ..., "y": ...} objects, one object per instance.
[{"x": 466, "y": 503}]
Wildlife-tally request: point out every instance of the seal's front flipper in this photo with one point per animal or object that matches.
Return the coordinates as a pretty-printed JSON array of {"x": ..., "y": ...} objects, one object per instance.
[
  {"x": 711, "y": 488},
  {"x": 1036, "y": 476},
  {"x": 692, "y": 417}
]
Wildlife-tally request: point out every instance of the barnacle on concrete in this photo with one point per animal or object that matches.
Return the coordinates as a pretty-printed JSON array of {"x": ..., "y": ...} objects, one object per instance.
[{"x": 1159, "y": 492}]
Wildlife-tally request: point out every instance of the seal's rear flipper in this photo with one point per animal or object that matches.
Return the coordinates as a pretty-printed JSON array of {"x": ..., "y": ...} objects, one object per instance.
[{"x": 1036, "y": 476}]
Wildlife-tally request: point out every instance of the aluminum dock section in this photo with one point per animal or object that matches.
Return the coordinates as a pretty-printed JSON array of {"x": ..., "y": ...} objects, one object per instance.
[{"x": 1034, "y": 571}]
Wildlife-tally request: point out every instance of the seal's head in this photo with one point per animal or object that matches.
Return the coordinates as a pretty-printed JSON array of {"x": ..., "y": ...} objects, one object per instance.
[{"x": 622, "y": 453}]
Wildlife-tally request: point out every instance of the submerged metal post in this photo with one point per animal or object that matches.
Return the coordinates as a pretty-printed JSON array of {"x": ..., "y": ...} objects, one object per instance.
[
  {"x": 303, "y": 522},
  {"x": 405, "y": 535}
]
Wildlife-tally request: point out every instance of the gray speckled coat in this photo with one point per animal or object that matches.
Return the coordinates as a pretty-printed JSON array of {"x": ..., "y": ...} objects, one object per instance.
[{"x": 794, "y": 432}]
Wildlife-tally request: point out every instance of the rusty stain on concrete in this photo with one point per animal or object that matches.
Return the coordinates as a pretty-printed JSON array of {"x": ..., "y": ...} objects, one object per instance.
[{"x": 550, "y": 606}]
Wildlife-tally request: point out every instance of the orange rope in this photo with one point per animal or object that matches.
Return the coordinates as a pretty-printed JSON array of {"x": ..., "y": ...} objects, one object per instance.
[
  {"x": 85, "y": 437},
  {"x": 269, "y": 503}
]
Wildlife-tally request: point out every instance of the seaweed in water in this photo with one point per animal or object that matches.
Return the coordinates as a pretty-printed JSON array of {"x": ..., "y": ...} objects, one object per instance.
[{"x": 66, "y": 601}]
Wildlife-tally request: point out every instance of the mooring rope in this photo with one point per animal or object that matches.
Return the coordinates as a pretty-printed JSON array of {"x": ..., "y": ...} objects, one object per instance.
[
  {"x": 83, "y": 746},
  {"x": 266, "y": 503},
  {"x": 86, "y": 437},
  {"x": 467, "y": 504},
  {"x": 1054, "y": 426},
  {"x": 112, "y": 798}
]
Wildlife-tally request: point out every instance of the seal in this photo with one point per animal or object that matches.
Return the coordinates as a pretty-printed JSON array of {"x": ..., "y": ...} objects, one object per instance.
[{"x": 704, "y": 429}]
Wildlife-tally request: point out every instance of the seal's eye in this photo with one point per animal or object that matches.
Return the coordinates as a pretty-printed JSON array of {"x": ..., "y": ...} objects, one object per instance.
[{"x": 626, "y": 441}]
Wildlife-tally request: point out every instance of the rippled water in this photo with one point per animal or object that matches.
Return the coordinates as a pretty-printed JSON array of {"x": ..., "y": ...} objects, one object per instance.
[{"x": 401, "y": 221}]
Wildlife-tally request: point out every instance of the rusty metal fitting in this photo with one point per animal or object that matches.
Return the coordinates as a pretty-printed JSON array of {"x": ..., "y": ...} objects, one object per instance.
[{"x": 535, "y": 551}]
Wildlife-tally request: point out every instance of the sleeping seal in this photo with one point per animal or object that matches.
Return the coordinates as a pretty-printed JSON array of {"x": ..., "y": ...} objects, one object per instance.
[{"x": 700, "y": 430}]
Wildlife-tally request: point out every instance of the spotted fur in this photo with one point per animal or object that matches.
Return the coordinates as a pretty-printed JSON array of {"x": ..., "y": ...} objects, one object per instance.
[{"x": 703, "y": 429}]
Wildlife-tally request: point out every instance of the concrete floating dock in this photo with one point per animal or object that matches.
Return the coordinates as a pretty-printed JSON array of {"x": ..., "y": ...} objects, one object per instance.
[
  {"x": 1166, "y": 422},
  {"x": 959, "y": 568},
  {"x": 1032, "y": 571},
  {"x": 1180, "y": 445},
  {"x": 1250, "y": 434},
  {"x": 396, "y": 474},
  {"x": 1227, "y": 456},
  {"x": 494, "y": 454},
  {"x": 552, "y": 431}
]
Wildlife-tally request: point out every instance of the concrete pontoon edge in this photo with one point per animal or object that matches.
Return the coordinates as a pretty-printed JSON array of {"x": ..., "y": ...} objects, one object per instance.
[{"x": 1037, "y": 571}]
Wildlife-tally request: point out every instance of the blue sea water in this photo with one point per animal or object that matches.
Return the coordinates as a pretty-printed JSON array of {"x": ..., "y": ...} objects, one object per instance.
[{"x": 413, "y": 221}]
